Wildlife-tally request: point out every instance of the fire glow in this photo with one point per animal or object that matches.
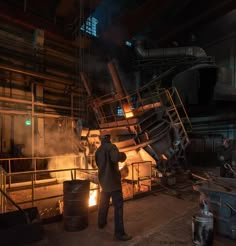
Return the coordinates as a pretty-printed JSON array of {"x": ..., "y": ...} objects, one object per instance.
[
  {"x": 127, "y": 110},
  {"x": 93, "y": 198},
  {"x": 164, "y": 157}
]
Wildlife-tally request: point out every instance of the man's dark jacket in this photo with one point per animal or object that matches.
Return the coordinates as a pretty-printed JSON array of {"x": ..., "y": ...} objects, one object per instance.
[{"x": 107, "y": 158}]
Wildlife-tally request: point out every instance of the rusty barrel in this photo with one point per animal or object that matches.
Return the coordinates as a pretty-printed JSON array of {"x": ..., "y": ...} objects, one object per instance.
[{"x": 76, "y": 204}]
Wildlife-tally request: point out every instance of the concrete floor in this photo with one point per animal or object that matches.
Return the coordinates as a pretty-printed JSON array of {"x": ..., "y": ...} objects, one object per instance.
[{"x": 158, "y": 219}]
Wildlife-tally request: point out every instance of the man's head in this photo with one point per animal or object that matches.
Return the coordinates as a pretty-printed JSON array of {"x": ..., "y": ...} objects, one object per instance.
[
  {"x": 226, "y": 142},
  {"x": 104, "y": 134}
]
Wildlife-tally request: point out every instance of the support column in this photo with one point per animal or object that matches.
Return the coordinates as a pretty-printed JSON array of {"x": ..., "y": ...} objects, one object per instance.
[{"x": 39, "y": 124}]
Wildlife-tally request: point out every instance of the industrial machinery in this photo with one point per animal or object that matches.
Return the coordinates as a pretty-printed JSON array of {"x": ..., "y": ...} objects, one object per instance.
[
  {"x": 149, "y": 125},
  {"x": 220, "y": 195}
]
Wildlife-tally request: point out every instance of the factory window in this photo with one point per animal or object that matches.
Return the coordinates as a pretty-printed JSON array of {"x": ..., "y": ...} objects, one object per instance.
[
  {"x": 90, "y": 26},
  {"x": 128, "y": 110},
  {"x": 120, "y": 111}
]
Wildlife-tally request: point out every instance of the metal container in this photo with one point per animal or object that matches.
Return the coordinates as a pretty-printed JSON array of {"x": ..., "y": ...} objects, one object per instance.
[
  {"x": 76, "y": 204},
  {"x": 222, "y": 198},
  {"x": 202, "y": 229}
]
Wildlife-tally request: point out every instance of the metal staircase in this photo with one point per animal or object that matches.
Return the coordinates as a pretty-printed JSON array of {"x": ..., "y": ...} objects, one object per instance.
[
  {"x": 178, "y": 117},
  {"x": 151, "y": 113}
]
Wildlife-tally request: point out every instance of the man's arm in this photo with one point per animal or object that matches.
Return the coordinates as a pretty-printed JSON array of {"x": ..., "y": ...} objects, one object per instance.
[
  {"x": 96, "y": 157},
  {"x": 114, "y": 154},
  {"x": 117, "y": 156}
]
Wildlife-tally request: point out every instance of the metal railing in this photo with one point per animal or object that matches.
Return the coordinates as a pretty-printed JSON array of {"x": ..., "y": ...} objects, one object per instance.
[
  {"x": 141, "y": 171},
  {"x": 33, "y": 184},
  {"x": 3, "y": 188},
  {"x": 134, "y": 104},
  {"x": 31, "y": 180},
  {"x": 72, "y": 173},
  {"x": 34, "y": 163}
]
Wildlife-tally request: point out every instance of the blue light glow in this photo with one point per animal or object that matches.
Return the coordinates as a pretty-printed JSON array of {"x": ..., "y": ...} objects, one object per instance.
[
  {"x": 90, "y": 26},
  {"x": 128, "y": 43}
]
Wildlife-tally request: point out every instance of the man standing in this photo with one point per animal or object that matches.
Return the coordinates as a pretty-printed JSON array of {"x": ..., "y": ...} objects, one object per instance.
[
  {"x": 225, "y": 157},
  {"x": 107, "y": 157}
]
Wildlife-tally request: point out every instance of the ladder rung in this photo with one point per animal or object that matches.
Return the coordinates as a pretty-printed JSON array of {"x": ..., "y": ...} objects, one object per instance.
[
  {"x": 173, "y": 114},
  {"x": 171, "y": 109},
  {"x": 144, "y": 178},
  {"x": 184, "y": 140},
  {"x": 177, "y": 121}
]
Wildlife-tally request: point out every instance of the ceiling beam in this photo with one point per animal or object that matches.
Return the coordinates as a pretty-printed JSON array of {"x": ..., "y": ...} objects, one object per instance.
[
  {"x": 31, "y": 22},
  {"x": 193, "y": 18},
  {"x": 136, "y": 20},
  {"x": 27, "y": 19},
  {"x": 66, "y": 8}
]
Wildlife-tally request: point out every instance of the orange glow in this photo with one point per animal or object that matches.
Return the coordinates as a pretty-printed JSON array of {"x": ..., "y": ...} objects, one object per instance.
[
  {"x": 164, "y": 157},
  {"x": 124, "y": 170},
  {"x": 121, "y": 165},
  {"x": 127, "y": 110},
  {"x": 93, "y": 198},
  {"x": 129, "y": 114}
]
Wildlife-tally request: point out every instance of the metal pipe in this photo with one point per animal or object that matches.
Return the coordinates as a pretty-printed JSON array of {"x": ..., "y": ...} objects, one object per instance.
[
  {"x": 1, "y": 134},
  {"x": 40, "y": 115},
  {"x": 12, "y": 112},
  {"x": 50, "y": 87},
  {"x": 36, "y": 74},
  {"x": 32, "y": 190},
  {"x": 32, "y": 120},
  {"x": 199, "y": 177},
  {"x": 24, "y": 21},
  {"x": 54, "y": 106},
  {"x": 9, "y": 171},
  {"x": 25, "y": 5},
  {"x": 72, "y": 105},
  {"x": 169, "y": 52},
  {"x": 86, "y": 83},
  {"x": 13, "y": 42},
  {"x": 8, "y": 99},
  {"x": 116, "y": 79}
]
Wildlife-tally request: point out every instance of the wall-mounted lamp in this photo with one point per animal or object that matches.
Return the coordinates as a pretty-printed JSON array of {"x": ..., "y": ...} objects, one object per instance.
[{"x": 28, "y": 122}]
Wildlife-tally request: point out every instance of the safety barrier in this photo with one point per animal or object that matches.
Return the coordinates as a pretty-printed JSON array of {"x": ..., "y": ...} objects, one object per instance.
[
  {"x": 140, "y": 175},
  {"x": 3, "y": 188}
]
